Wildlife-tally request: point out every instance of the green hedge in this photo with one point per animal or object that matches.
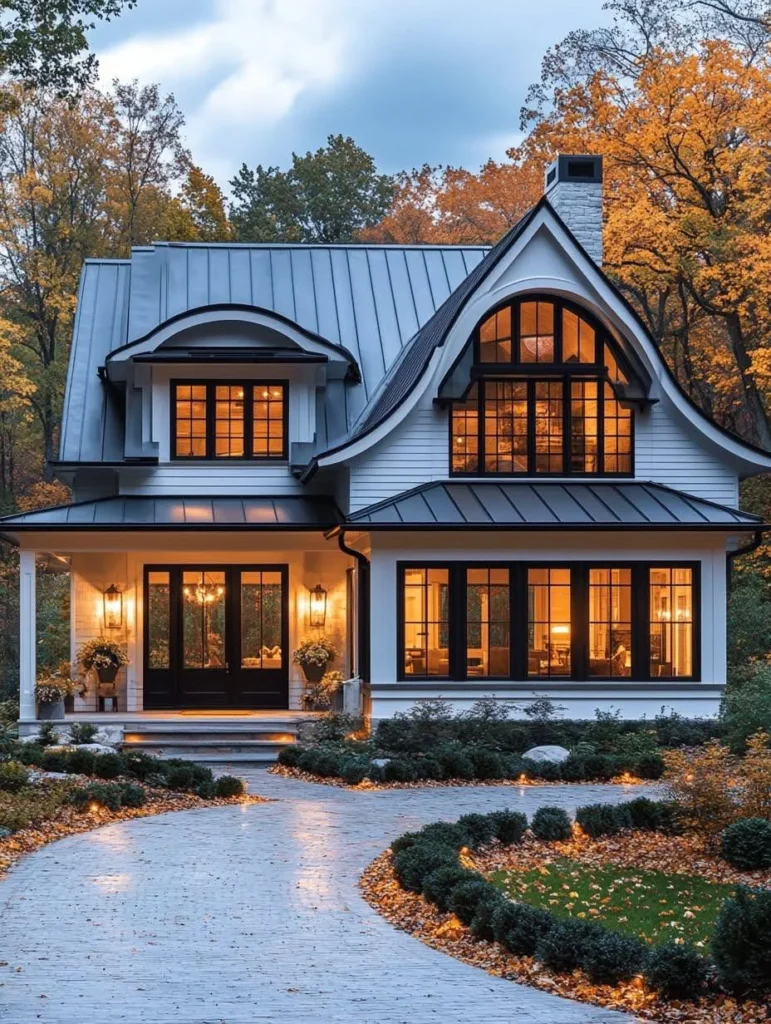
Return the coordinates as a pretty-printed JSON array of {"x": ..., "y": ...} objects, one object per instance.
[
  {"x": 454, "y": 761},
  {"x": 427, "y": 862}
]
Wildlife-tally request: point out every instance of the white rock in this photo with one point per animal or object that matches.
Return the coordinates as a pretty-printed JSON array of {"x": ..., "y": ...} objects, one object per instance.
[
  {"x": 548, "y": 753},
  {"x": 381, "y": 762},
  {"x": 95, "y": 748}
]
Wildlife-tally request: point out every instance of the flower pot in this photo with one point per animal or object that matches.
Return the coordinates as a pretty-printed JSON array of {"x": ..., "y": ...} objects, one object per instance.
[
  {"x": 107, "y": 675},
  {"x": 314, "y": 673},
  {"x": 51, "y": 711},
  {"x": 338, "y": 698}
]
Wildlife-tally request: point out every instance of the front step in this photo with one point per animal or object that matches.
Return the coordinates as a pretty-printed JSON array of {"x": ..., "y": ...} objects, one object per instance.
[{"x": 258, "y": 743}]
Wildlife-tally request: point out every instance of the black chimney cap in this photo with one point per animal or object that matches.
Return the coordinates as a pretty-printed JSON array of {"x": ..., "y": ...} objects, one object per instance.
[{"x": 576, "y": 169}]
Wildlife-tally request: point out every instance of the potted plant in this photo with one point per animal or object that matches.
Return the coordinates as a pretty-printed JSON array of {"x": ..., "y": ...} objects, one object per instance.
[
  {"x": 323, "y": 695},
  {"x": 313, "y": 655},
  {"x": 104, "y": 656},
  {"x": 52, "y": 689}
]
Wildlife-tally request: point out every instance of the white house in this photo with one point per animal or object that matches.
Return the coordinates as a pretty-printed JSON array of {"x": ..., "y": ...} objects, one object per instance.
[{"x": 478, "y": 455}]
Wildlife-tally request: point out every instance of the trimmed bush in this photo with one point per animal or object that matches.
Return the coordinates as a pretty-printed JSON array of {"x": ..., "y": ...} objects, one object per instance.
[
  {"x": 405, "y": 842},
  {"x": 13, "y": 776},
  {"x": 518, "y": 927},
  {"x": 612, "y": 957},
  {"x": 603, "y": 819},
  {"x": 741, "y": 943},
  {"x": 399, "y": 770},
  {"x": 132, "y": 795},
  {"x": 413, "y": 865},
  {"x": 649, "y": 766},
  {"x": 306, "y": 761},
  {"x": 574, "y": 769},
  {"x": 563, "y": 946},
  {"x": 467, "y": 896},
  {"x": 547, "y": 771},
  {"x": 180, "y": 778},
  {"x": 109, "y": 795},
  {"x": 206, "y": 790},
  {"x": 600, "y": 767},
  {"x": 54, "y": 761},
  {"x": 478, "y": 828},
  {"x": 108, "y": 766},
  {"x": 439, "y": 885},
  {"x": 508, "y": 826},
  {"x": 651, "y": 815},
  {"x": 445, "y": 833},
  {"x": 430, "y": 768},
  {"x": 83, "y": 732},
  {"x": 139, "y": 764},
  {"x": 677, "y": 972},
  {"x": 746, "y": 844},
  {"x": 455, "y": 762},
  {"x": 289, "y": 756},
  {"x": 229, "y": 785},
  {"x": 482, "y": 922},
  {"x": 81, "y": 762},
  {"x": 354, "y": 770},
  {"x": 30, "y": 753},
  {"x": 487, "y": 763},
  {"x": 48, "y": 735},
  {"x": 551, "y": 823}
]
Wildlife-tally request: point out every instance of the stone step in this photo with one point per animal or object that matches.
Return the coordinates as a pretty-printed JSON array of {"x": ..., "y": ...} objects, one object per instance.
[
  {"x": 216, "y": 735},
  {"x": 251, "y": 754}
]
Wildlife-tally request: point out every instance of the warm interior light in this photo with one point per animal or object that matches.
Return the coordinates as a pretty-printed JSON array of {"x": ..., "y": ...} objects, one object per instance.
[
  {"x": 318, "y": 606},
  {"x": 204, "y": 593},
  {"x": 561, "y": 630},
  {"x": 113, "y": 608}
]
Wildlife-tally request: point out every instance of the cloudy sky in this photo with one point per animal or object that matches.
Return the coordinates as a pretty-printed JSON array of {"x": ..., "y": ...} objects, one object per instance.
[{"x": 413, "y": 81}]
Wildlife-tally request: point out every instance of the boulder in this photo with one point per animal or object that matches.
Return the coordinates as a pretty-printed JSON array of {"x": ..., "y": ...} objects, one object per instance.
[{"x": 549, "y": 752}]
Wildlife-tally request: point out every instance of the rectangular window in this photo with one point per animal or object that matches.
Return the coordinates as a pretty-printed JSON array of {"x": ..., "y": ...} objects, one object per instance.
[
  {"x": 671, "y": 597},
  {"x": 505, "y": 426},
  {"x": 191, "y": 419},
  {"x": 465, "y": 434},
  {"x": 158, "y": 620},
  {"x": 617, "y": 430},
  {"x": 548, "y": 427},
  {"x": 262, "y": 606},
  {"x": 584, "y": 426},
  {"x": 610, "y": 623},
  {"x": 536, "y": 332},
  {"x": 549, "y": 622},
  {"x": 229, "y": 420},
  {"x": 426, "y": 622},
  {"x": 203, "y": 619},
  {"x": 268, "y": 440},
  {"x": 488, "y": 617}
]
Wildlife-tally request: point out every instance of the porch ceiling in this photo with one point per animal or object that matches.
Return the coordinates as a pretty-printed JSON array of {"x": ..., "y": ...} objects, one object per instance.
[{"x": 316, "y": 513}]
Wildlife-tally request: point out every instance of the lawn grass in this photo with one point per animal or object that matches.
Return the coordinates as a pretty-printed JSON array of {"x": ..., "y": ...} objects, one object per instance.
[{"x": 651, "y": 904}]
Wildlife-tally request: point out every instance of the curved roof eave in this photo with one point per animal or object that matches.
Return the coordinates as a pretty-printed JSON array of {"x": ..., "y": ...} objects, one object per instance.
[
  {"x": 734, "y": 445},
  {"x": 191, "y": 317}
]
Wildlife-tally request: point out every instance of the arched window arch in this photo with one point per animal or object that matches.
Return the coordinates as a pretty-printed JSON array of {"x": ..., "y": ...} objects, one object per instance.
[{"x": 545, "y": 396}]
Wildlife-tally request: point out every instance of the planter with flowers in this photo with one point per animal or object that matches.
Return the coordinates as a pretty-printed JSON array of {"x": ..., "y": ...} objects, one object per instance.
[
  {"x": 313, "y": 655},
  {"x": 52, "y": 689},
  {"x": 326, "y": 694},
  {"x": 104, "y": 657}
]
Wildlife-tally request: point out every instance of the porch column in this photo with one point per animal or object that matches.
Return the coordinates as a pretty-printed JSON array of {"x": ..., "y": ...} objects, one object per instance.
[{"x": 27, "y": 635}]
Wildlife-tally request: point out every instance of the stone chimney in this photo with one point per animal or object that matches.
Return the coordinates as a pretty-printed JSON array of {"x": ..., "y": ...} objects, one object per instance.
[{"x": 574, "y": 188}]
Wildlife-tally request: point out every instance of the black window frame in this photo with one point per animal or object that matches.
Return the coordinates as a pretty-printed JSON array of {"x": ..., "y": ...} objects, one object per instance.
[
  {"x": 579, "y": 610},
  {"x": 542, "y": 372},
  {"x": 249, "y": 387}
]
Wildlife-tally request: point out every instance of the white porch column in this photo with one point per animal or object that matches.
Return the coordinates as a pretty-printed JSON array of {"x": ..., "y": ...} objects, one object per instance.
[{"x": 27, "y": 635}]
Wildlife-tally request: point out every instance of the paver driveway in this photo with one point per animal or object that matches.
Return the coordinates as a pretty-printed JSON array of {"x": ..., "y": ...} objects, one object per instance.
[{"x": 242, "y": 915}]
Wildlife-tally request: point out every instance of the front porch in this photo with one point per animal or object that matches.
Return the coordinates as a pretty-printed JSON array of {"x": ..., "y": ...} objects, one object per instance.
[{"x": 209, "y": 624}]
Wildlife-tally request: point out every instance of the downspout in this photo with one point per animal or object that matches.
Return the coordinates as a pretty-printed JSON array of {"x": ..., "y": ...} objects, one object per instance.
[
  {"x": 363, "y": 605},
  {"x": 753, "y": 545}
]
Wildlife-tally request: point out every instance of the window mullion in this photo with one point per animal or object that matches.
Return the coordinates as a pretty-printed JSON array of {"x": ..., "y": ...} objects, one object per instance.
[
  {"x": 531, "y": 427},
  {"x": 579, "y": 613},
  {"x": 641, "y": 622},
  {"x": 249, "y": 421},
  {"x": 457, "y": 624},
  {"x": 567, "y": 427},
  {"x": 518, "y": 621},
  {"x": 211, "y": 420}
]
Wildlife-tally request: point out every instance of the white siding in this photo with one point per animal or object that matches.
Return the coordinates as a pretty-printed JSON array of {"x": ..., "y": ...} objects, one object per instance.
[
  {"x": 177, "y": 479},
  {"x": 417, "y": 452}
]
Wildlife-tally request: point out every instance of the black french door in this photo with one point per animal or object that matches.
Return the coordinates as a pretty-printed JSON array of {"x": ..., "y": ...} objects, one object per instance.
[{"x": 216, "y": 636}]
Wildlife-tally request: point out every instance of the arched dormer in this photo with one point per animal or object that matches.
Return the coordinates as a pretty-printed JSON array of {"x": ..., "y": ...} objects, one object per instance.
[{"x": 542, "y": 389}]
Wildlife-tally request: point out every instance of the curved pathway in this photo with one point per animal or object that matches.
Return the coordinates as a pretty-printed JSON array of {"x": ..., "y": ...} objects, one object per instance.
[{"x": 250, "y": 914}]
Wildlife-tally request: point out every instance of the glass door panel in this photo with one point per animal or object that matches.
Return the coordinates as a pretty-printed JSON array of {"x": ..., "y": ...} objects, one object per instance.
[
  {"x": 262, "y": 604},
  {"x": 158, "y": 620},
  {"x": 203, "y": 620}
]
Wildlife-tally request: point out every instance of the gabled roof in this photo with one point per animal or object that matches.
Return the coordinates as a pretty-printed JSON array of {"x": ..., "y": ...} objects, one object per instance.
[{"x": 550, "y": 506}]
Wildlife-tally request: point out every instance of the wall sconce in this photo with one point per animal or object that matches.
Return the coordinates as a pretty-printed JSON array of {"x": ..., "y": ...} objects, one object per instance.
[
  {"x": 318, "y": 606},
  {"x": 113, "y": 608}
]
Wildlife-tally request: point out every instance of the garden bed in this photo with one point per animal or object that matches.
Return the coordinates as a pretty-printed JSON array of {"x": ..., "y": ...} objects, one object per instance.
[{"x": 624, "y": 920}]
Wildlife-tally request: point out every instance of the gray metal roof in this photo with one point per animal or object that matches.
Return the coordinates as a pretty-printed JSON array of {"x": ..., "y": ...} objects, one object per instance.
[
  {"x": 370, "y": 299},
  {"x": 579, "y": 505},
  {"x": 136, "y": 513}
]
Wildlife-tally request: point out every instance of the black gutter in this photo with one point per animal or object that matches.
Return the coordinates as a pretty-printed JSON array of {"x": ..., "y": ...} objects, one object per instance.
[
  {"x": 363, "y": 610},
  {"x": 753, "y": 545}
]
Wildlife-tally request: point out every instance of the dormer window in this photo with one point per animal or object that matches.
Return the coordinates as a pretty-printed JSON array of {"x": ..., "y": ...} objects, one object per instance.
[
  {"x": 544, "y": 398},
  {"x": 229, "y": 419}
]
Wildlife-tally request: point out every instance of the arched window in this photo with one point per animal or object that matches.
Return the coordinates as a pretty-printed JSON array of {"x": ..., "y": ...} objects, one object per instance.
[{"x": 544, "y": 399}]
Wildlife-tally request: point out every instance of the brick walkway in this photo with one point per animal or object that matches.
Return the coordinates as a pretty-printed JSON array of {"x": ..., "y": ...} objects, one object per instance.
[{"x": 244, "y": 915}]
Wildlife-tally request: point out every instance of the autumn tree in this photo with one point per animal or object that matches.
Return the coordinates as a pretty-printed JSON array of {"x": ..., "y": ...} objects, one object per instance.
[
  {"x": 451, "y": 205},
  {"x": 684, "y": 123},
  {"x": 328, "y": 196}
]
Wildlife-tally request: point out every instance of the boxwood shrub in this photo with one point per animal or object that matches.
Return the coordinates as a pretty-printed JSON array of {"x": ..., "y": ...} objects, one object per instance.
[
  {"x": 521, "y": 927},
  {"x": 610, "y": 957},
  {"x": 467, "y": 896},
  {"x": 741, "y": 943},
  {"x": 508, "y": 826},
  {"x": 551, "y": 823},
  {"x": 677, "y": 972},
  {"x": 413, "y": 865},
  {"x": 439, "y": 884},
  {"x": 562, "y": 946},
  {"x": 603, "y": 819},
  {"x": 746, "y": 844}
]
